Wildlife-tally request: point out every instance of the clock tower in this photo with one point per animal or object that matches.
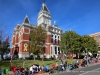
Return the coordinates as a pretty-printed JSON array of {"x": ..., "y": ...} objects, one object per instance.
[{"x": 44, "y": 16}]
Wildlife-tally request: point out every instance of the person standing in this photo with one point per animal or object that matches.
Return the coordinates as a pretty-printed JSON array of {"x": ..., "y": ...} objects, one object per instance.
[{"x": 0, "y": 71}]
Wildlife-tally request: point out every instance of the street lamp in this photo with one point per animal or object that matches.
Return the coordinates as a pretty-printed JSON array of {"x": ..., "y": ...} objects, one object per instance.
[{"x": 86, "y": 56}]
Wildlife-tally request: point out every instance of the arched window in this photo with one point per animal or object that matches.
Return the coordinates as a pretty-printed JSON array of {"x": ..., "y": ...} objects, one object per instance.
[
  {"x": 55, "y": 36},
  {"x": 52, "y": 36},
  {"x": 58, "y": 37},
  {"x": 44, "y": 49}
]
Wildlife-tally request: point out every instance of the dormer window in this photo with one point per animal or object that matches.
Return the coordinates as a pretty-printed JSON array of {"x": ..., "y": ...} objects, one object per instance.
[
  {"x": 45, "y": 25},
  {"x": 55, "y": 36}
]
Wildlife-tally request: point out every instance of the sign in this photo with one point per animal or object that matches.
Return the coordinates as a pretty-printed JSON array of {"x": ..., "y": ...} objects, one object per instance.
[{"x": 25, "y": 46}]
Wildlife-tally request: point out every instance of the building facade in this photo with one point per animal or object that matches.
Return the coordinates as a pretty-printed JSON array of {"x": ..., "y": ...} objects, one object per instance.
[
  {"x": 21, "y": 40},
  {"x": 96, "y": 37}
]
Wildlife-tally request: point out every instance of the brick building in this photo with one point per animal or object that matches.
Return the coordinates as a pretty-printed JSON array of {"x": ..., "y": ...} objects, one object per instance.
[
  {"x": 96, "y": 37},
  {"x": 20, "y": 39}
]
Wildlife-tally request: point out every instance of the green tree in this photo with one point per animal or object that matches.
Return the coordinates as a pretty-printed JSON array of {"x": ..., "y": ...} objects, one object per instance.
[
  {"x": 38, "y": 36},
  {"x": 4, "y": 46},
  {"x": 70, "y": 42},
  {"x": 89, "y": 43}
]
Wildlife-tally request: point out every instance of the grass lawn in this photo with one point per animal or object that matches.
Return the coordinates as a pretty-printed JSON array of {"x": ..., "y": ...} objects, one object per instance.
[{"x": 6, "y": 63}]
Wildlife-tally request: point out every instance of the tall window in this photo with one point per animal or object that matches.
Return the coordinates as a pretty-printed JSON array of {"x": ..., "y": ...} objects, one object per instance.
[
  {"x": 55, "y": 36},
  {"x": 58, "y": 37},
  {"x": 58, "y": 40},
  {"x": 51, "y": 40},
  {"x": 55, "y": 50},
  {"x": 58, "y": 50},
  {"x": 55, "y": 41},
  {"x": 44, "y": 49},
  {"x": 52, "y": 36}
]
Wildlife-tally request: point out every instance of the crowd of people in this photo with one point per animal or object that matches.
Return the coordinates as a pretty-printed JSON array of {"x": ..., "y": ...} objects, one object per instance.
[
  {"x": 83, "y": 63},
  {"x": 54, "y": 68},
  {"x": 35, "y": 68}
]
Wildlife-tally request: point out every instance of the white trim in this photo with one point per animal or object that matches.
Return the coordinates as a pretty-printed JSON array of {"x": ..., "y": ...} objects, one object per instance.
[
  {"x": 48, "y": 33},
  {"x": 98, "y": 33},
  {"x": 26, "y": 24},
  {"x": 24, "y": 41},
  {"x": 21, "y": 55},
  {"x": 26, "y": 33},
  {"x": 55, "y": 45},
  {"x": 47, "y": 55},
  {"x": 48, "y": 43}
]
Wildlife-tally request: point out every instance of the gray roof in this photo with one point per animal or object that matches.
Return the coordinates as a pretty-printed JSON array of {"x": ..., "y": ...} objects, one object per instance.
[
  {"x": 26, "y": 20},
  {"x": 44, "y": 7}
]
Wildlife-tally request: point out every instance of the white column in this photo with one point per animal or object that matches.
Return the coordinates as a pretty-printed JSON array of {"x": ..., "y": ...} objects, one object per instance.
[
  {"x": 53, "y": 50},
  {"x": 57, "y": 50}
]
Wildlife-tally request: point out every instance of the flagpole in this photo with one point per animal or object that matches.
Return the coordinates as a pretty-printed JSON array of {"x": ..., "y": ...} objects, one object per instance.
[
  {"x": 43, "y": 59},
  {"x": 11, "y": 60}
]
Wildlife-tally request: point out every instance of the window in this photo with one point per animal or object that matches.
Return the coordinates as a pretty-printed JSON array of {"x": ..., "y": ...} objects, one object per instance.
[
  {"x": 99, "y": 43},
  {"x": 45, "y": 25},
  {"x": 44, "y": 41},
  {"x": 96, "y": 37},
  {"x": 58, "y": 42},
  {"x": 51, "y": 40},
  {"x": 52, "y": 36},
  {"x": 58, "y": 50},
  {"x": 55, "y": 50},
  {"x": 58, "y": 37},
  {"x": 44, "y": 49},
  {"x": 55, "y": 41},
  {"x": 55, "y": 36},
  {"x": 59, "y": 31}
]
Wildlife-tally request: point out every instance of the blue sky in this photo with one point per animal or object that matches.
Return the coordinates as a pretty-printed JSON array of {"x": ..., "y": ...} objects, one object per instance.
[{"x": 81, "y": 16}]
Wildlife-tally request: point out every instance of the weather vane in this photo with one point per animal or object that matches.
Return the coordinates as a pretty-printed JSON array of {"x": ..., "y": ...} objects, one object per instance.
[{"x": 44, "y": 1}]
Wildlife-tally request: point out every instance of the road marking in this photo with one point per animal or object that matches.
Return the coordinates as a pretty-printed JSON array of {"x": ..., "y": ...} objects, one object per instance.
[{"x": 89, "y": 71}]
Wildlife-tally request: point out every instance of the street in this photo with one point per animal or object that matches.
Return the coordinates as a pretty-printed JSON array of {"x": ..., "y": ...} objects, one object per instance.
[{"x": 90, "y": 70}]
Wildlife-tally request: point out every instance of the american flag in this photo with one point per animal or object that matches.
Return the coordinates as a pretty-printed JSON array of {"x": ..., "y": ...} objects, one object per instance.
[{"x": 7, "y": 39}]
